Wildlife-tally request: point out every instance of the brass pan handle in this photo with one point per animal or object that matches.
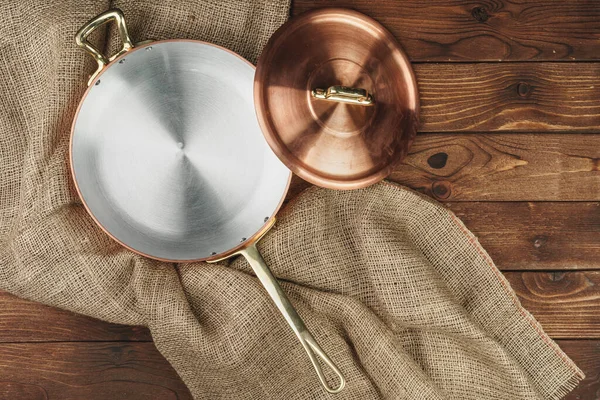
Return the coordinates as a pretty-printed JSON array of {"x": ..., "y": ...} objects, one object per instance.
[
  {"x": 82, "y": 35},
  {"x": 344, "y": 94},
  {"x": 307, "y": 340}
]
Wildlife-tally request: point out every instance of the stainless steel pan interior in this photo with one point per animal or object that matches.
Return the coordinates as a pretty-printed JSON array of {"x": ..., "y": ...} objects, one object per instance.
[
  {"x": 167, "y": 153},
  {"x": 168, "y": 158}
]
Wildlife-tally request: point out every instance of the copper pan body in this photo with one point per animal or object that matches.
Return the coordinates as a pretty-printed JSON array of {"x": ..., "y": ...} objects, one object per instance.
[{"x": 335, "y": 144}]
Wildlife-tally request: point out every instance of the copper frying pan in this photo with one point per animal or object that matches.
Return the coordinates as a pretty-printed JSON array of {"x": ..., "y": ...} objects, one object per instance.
[{"x": 169, "y": 160}]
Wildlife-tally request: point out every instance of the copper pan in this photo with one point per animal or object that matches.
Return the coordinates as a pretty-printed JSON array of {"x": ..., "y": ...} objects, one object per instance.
[
  {"x": 168, "y": 158},
  {"x": 336, "y": 98}
]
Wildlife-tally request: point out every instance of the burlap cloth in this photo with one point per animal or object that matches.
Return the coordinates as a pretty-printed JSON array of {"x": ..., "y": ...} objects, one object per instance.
[{"x": 393, "y": 286}]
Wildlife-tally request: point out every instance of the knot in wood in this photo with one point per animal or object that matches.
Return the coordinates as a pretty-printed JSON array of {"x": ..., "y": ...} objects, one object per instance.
[
  {"x": 523, "y": 89},
  {"x": 539, "y": 241},
  {"x": 480, "y": 14},
  {"x": 556, "y": 276},
  {"x": 441, "y": 190},
  {"x": 438, "y": 160},
  {"x": 116, "y": 355}
]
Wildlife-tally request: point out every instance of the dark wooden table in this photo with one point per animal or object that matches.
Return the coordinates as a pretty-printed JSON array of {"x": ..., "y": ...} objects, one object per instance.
[{"x": 510, "y": 140}]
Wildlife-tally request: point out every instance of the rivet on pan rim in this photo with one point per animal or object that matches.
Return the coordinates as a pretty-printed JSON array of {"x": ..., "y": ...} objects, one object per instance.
[{"x": 97, "y": 82}]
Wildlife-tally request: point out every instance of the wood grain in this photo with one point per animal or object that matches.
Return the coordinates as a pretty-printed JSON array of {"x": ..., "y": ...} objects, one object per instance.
[
  {"x": 36, "y": 371},
  {"x": 515, "y": 97},
  {"x": 528, "y": 235},
  {"x": 535, "y": 235},
  {"x": 484, "y": 30},
  {"x": 75, "y": 371},
  {"x": 504, "y": 167},
  {"x": 566, "y": 304},
  {"x": 27, "y": 321},
  {"x": 586, "y": 354}
]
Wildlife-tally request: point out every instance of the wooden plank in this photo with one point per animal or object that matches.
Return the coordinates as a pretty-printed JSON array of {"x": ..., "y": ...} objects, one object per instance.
[
  {"x": 504, "y": 167},
  {"x": 27, "y": 321},
  {"x": 137, "y": 371},
  {"x": 542, "y": 235},
  {"x": 566, "y": 304},
  {"x": 467, "y": 30},
  {"x": 509, "y": 97},
  {"x": 74, "y": 371},
  {"x": 586, "y": 354},
  {"x": 500, "y": 167},
  {"x": 515, "y": 97},
  {"x": 528, "y": 235}
]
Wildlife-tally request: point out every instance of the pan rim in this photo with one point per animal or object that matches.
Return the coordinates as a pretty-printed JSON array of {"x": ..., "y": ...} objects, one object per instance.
[{"x": 250, "y": 241}]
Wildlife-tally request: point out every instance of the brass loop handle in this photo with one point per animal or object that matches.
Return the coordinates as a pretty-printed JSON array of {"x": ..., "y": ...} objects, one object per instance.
[
  {"x": 83, "y": 33},
  {"x": 286, "y": 308},
  {"x": 312, "y": 347},
  {"x": 344, "y": 94}
]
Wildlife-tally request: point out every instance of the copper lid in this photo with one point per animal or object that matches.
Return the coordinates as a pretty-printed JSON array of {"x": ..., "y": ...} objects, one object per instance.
[{"x": 336, "y": 98}]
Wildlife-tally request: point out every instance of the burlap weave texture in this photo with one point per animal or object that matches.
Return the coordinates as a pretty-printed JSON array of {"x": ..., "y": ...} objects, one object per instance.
[{"x": 392, "y": 285}]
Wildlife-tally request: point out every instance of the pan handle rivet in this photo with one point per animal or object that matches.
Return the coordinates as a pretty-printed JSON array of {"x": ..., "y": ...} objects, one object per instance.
[
  {"x": 97, "y": 82},
  {"x": 214, "y": 253},
  {"x": 266, "y": 219},
  {"x": 243, "y": 240},
  {"x": 148, "y": 48},
  {"x": 122, "y": 61}
]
